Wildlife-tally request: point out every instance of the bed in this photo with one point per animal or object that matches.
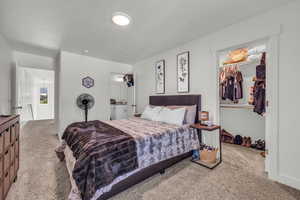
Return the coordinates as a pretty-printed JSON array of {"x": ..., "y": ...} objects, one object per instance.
[{"x": 148, "y": 164}]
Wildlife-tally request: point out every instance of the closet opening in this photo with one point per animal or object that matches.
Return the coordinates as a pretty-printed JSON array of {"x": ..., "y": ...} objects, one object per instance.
[
  {"x": 243, "y": 112},
  {"x": 122, "y": 96}
]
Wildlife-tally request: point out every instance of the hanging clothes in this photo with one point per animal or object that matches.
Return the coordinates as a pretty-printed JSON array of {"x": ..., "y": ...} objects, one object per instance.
[
  {"x": 238, "y": 85},
  {"x": 259, "y": 97},
  {"x": 261, "y": 69},
  {"x": 259, "y": 90},
  {"x": 222, "y": 84},
  {"x": 231, "y": 84},
  {"x": 229, "y": 89}
]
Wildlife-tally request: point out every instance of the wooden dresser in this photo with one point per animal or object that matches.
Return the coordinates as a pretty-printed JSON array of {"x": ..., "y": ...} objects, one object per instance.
[{"x": 9, "y": 152}]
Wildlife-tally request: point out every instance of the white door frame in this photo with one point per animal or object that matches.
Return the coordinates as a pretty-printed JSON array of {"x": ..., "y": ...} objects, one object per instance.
[
  {"x": 272, "y": 132},
  {"x": 15, "y": 87}
]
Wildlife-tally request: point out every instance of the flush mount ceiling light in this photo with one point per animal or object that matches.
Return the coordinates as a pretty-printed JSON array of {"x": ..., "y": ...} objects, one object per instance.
[{"x": 121, "y": 19}]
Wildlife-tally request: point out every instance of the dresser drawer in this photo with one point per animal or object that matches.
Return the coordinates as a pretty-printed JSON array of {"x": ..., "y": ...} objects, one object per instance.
[
  {"x": 13, "y": 133},
  {"x": 6, "y": 160},
  {"x": 2, "y": 142},
  {"x": 6, "y": 182},
  {"x": 12, "y": 153},
  {"x": 7, "y": 139},
  {"x": 12, "y": 173}
]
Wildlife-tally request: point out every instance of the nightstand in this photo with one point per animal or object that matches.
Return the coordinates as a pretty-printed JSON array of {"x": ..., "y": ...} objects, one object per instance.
[{"x": 211, "y": 129}]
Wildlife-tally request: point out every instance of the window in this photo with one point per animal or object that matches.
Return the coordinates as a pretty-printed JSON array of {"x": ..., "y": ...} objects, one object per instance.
[{"x": 43, "y": 95}]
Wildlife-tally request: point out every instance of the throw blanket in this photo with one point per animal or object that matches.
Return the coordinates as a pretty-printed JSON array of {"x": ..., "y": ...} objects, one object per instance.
[{"x": 102, "y": 153}]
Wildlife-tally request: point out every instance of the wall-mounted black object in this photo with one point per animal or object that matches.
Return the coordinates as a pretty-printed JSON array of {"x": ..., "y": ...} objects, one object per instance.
[
  {"x": 129, "y": 80},
  {"x": 85, "y": 102}
]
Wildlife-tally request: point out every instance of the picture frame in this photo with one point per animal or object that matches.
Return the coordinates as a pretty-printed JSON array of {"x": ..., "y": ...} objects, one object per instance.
[
  {"x": 160, "y": 77},
  {"x": 183, "y": 72},
  {"x": 44, "y": 95},
  {"x": 88, "y": 82}
]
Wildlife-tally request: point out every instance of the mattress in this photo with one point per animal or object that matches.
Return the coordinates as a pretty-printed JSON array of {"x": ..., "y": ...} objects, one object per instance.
[{"x": 156, "y": 142}]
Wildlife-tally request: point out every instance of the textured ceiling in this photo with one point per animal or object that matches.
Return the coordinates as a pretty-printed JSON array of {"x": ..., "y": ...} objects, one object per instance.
[{"x": 46, "y": 26}]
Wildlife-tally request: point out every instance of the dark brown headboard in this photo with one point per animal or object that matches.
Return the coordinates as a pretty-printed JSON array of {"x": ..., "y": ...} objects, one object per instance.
[{"x": 179, "y": 100}]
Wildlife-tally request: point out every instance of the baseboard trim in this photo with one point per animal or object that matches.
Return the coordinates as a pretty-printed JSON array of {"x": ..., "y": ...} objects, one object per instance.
[{"x": 292, "y": 182}]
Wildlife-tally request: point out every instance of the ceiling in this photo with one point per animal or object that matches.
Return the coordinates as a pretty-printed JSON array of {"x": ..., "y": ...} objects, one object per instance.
[{"x": 45, "y": 26}]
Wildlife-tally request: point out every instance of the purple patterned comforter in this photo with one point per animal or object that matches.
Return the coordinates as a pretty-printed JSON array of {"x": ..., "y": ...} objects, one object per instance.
[
  {"x": 155, "y": 142},
  {"x": 102, "y": 154}
]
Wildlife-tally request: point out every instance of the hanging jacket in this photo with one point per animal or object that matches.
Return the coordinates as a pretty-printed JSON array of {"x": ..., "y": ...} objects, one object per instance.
[
  {"x": 261, "y": 69},
  {"x": 260, "y": 87},
  {"x": 238, "y": 85},
  {"x": 229, "y": 90},
  {"x": 259, "y": 97}
]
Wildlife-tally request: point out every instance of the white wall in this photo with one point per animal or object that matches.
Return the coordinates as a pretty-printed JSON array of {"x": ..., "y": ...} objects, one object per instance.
[
  {"x": 5, "y": 76},
  {"x": 203, "y": 71},
  {"x": 34, "y": 61},
  {"x": 73, "y": 68},
  {"x": 243, "y": 122}
]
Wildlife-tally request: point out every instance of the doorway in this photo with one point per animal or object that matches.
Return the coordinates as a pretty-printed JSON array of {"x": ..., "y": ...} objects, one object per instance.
[
  {"x": 122, "y": 96},
  {"x": 271, "y": 110},
  {"x": 33, "y": 95}
]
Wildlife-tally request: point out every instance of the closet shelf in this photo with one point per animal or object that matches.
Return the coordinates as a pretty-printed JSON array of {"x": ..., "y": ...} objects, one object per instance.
[
  {"x": 242, "y": 63},
  {"x": 237, "y": 106}
]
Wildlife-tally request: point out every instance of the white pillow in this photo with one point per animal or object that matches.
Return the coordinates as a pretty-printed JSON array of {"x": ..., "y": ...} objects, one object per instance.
[
  {"x": 172, "y": 116},
  {"x": 151, "y": 112},
  {"x": 190, "y": 113}
]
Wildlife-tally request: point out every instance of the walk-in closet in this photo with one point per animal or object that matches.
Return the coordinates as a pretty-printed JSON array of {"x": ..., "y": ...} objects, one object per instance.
[{"x": 242, "y": 94}]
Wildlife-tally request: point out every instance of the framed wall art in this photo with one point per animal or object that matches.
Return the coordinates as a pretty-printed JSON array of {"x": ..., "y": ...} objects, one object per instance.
[
  {"x": 160, "y": 77},
  {"x": 183, "y": 72},
  {"x": 88, "y": 82}
]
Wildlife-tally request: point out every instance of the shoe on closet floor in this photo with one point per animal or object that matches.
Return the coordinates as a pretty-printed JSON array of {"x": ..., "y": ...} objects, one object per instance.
[{"x": 248, "y": 142}]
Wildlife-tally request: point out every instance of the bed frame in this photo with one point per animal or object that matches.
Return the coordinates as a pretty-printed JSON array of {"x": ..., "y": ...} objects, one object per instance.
[{"x": 161, "y": 166}]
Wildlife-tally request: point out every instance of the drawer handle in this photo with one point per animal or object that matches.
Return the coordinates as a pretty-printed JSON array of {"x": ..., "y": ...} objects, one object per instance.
[
  {"x": 7, "y": 129},
  {"x": 6, "y": 174},
  {"x": 6, "y": 152}
]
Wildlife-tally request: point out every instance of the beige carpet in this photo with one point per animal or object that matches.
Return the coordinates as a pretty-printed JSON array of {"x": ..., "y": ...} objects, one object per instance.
[{"x": 239, "y": 177}]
